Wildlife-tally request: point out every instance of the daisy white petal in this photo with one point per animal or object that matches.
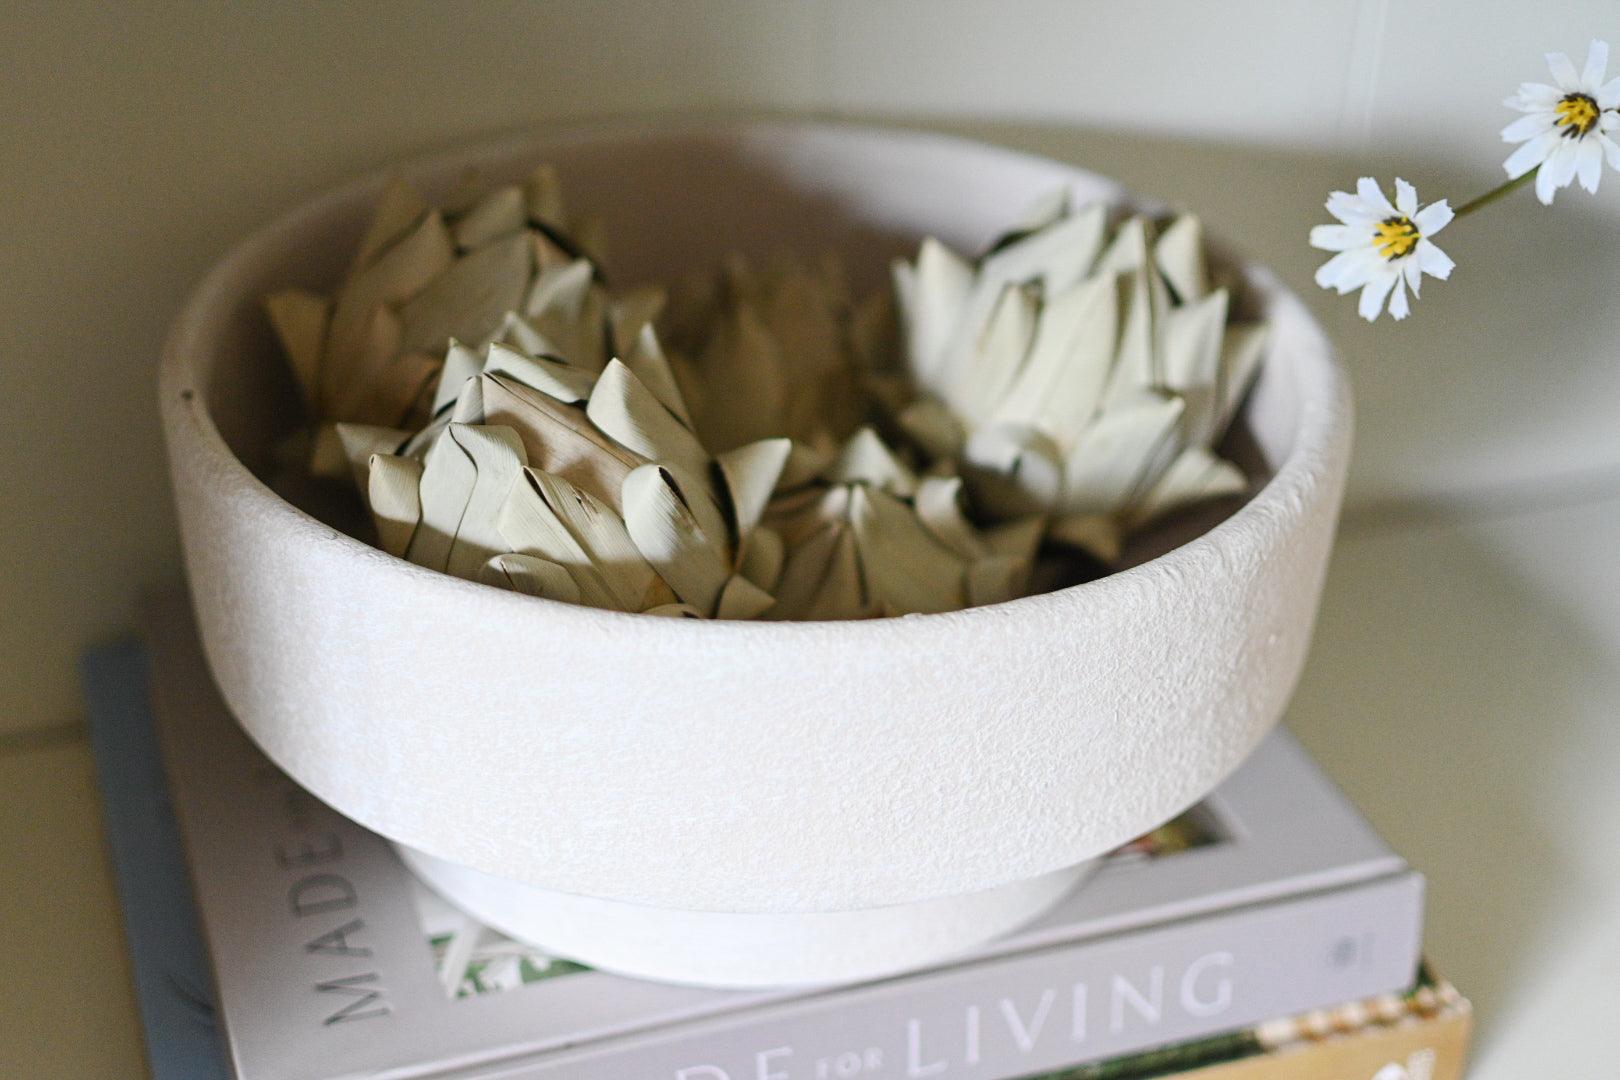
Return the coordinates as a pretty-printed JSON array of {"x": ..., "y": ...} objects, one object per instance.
[
  {"x": 1405, "y": 197},
  {"x": 1528, "y": 127},
  {"x": 1370, "y": 193},
  {"x": 1557, "y": 171},
  {"x": 1412, "y": 275},
  {"x": 1345, "y": 271},
  {"x": 1545, "y": 186},
  {"x": 1534, "y": 96},
  {"x": 1335, "y": 237},
  {"x": 1563, "y": 72},
  {"x": 1432, "y": 261},
  {"x": 1531, "y": 154},
  {"x": 1432, "y": 218},
  {"x": 1349, "y": 209},
  {"x": 1375, "y": 293},
  {"x": 1597, "y": 63},
  {"x": 1399, "y": 306},
  {"x": 1611, "y": 151},
  {"x": 1608, "y": 95},
  {"x": 1589, "y": 164}
]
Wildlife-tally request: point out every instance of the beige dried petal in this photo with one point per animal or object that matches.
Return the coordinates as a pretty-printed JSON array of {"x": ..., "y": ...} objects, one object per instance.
[
  {"x": 498, "y": 213},
  {"x": 669, "y": 538},
  {"x": 392, "y": 490},
  {"x": 400, "y": 208},
  {"x": 559, "y": 438},
  {"x": 906, "y": 570},
  {"x": 751, "y": 473},
  {"x": 460, "y": 364},
  {"x": 742, "y": 599},
  {"x": 760, "y": 560},
  {"x": 1194, "y": 476},
  {"x": 448, "y": 476},
  {"x": 1099, "y": 535},
  {"x": 531, "y": 576},
  {"x": 564, "y": 382},
  {"x": 866, "y": 459},
  {"x": 530, "y": 525},
  {"x": 938, "y": 503},
  {"x": 1012, "y": 470},
  {"x": 624, "y": 409},
  {"x": 603, "y": 538},
  {"x": 300, "y": 319},
  {"x": 1179, "y": 253},
  {"x": 1069, "y": 363},
  {"x": 358, "y": 442},
  {"x": 497, "y": 456},
  {"x": 470, "y": 299},
  {"x": 1115, "y": 453}
]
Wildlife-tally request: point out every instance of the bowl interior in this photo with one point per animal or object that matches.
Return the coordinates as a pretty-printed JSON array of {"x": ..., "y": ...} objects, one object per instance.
[{"x": 679, "y": 199}]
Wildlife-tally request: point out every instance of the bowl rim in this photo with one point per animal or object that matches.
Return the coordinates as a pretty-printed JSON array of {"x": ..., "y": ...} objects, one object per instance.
[{"x": 1323, "y": 416}]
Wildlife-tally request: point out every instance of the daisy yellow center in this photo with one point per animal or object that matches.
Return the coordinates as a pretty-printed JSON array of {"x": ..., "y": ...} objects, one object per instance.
[
  {"x": 1577, "y": 114},
  {"x": 1395, "y": 236}
]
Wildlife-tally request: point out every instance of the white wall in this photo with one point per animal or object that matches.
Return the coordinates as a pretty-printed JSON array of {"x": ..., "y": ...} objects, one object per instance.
[{"x": 138, "y": 143}]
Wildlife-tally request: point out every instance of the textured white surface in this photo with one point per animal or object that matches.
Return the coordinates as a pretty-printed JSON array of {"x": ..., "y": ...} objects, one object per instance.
[
  {"x": 741, "y": 767},
  {"x": 1461, "y": 690},
  {"x": 748, "y": 950}
]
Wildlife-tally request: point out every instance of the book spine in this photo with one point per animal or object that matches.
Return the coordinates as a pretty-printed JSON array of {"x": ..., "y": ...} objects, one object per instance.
[
  {"x": 1431, "y": 1048},
  {"x": 1024, "y": 1015}
]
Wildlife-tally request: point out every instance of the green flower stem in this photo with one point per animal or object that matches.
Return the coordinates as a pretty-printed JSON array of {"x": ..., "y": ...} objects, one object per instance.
[{"x": 1496, "y": 193}]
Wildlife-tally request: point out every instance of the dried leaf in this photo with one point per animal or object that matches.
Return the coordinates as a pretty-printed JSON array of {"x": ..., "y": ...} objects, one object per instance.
[
  {"x": 400, "y": 207},
  {"x": 1062, "y": 382},
  {"x": 1096, "y": 534},
  {"x": 564, "y": 382},
  {"x": 1113, "y": 455},
  {"x": 498, "y": 213},
  {"x": 905, "y": 568},
  {"x": 938, "y": 504},
  {"x": 933, "y": 293},
  {"x": 359, "y": 442},
  {"x": 530, "y": 525},
  {"x": 669, "y": 538},
  {"x": 531, "y": 576},
  {"x": 497, "y": 456},
  {"x": 1179, "y": 253},
  {"x": 448, "y": 476},
  {"x": 300, "y": 319},
  {"x": 866, "y": 459},
  {"x": 624, "y": 409},
  {"x": 1012, "y": 470},
  {"x": 558, "y": 438},
  {"x": 760, "y": 559},
  {"x": 470, "y": 298},
  {"x": 606, "y": 543},
  {"x": 460, "y": 364},
  {"x": 751, "y": 473},
  {"x": 742, "y": 599},
  {"x": 392, "y": 485},
  {"x": 1194, "y": 476}
]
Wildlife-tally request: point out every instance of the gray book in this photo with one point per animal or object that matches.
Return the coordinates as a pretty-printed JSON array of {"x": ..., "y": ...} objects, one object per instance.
[{"x": 1270, "y": 898}]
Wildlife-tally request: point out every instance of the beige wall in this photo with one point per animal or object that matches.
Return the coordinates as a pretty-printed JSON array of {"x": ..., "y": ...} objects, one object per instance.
[{"x": 137, "y": 142}]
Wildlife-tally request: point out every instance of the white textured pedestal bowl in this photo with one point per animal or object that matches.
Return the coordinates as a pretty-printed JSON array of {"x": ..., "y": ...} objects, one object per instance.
[{"x": 760, "y": 768}]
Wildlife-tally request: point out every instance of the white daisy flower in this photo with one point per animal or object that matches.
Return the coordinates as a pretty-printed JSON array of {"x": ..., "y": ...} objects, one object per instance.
[
  {"x": 1382, "y": 248},
  {"x": 1566, "y": 127}
]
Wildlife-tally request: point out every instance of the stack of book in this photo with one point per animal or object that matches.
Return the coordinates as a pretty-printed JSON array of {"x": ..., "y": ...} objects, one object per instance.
[{"x": 1266, "y": 933}]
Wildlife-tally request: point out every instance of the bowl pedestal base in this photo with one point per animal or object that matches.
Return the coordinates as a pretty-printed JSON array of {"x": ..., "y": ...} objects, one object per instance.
[{"x": 742, "y": 950}]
